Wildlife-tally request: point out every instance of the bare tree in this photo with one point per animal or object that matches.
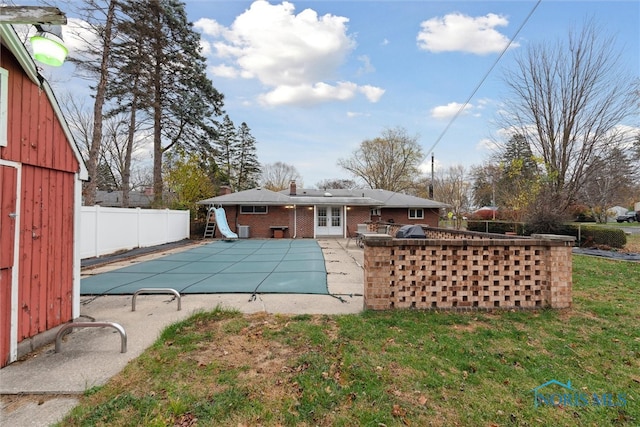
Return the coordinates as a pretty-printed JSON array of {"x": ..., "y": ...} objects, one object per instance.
[
  {"x": 101, "y": 19},
  {"x": 277, "y": 176},
  {"x": 389, "y": 162},
  {"x": 451, "y": 187},
  {"x": 114, "y": 158},
  {"x": 610, "y": 181},
  {"x": 336, "y": 183},
  {"x": 567, "y": 100}
]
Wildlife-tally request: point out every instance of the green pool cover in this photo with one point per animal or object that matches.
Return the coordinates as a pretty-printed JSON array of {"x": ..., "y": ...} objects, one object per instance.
[{"x": 238, "y": 266}]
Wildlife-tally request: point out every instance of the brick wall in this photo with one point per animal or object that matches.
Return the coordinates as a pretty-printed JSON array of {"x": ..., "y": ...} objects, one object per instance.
[
  {"x": 468, "y": 272},
  {"x": 305, "y": 221},
  {"x": 259, "y": 223},
  {"x": 401, "y": 216}
]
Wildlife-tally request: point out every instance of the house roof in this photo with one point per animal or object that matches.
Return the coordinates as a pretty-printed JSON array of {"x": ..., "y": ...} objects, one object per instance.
[
  {"x": 11, "y": 41},
  {"x": 368, "y": 196},
  {"x": 340, "y": 197},
  {"x": 258, "y": 195}
]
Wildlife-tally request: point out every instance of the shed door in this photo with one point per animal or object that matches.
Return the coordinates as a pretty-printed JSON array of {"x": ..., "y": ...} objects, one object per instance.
[{"x": 8, "y": 186}]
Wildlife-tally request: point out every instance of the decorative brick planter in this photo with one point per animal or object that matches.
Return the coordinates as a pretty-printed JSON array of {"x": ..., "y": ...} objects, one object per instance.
[{"x": 457, "y": 270}]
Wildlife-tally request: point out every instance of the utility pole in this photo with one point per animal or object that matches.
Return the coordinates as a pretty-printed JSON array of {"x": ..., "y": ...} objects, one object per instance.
[{"x": 431, "y": 184}]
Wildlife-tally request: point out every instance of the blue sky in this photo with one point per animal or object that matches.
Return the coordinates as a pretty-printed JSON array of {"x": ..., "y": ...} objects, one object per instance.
[{"x": 313, "y": 79}]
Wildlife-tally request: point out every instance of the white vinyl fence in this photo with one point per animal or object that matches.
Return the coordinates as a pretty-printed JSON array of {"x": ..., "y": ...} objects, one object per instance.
[{"x": 108, "y": 230}]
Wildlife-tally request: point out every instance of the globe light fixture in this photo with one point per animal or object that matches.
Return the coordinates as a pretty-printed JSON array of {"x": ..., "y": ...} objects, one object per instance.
[{"x": 48, "y": 46}]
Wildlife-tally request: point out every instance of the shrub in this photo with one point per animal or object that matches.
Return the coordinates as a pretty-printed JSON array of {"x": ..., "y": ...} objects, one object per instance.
[
  {"x": 497, "y": 227},
  {"x": 586, "y": 236},
  {"x": 600, "y": 236}
]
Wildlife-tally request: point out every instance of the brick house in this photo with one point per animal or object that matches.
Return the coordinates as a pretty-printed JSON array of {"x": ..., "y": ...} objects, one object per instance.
[{"x": 312, "y": 213}]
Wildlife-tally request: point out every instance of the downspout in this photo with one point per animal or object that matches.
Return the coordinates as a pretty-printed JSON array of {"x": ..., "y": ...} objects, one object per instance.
[
  {"x": 314, "y": 222},
  {"x": 344, "y": 228},
  {"x": 295, "y": 221}
]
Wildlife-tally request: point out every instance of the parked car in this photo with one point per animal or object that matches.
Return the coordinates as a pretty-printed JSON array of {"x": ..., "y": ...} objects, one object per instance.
[{"x": 630, "y": 216}]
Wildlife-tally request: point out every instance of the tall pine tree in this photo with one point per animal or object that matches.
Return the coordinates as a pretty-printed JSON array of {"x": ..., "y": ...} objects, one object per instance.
[
  {"x": 248, "y": 167},
  {"x": 171, "y": 72}
]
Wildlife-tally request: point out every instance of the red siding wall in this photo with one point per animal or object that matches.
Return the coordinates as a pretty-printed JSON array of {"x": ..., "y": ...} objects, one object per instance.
[
  {"x": 46, "y": 250},
  {"x": 36, "y": 139},
  {"x": 35, "y": 136}
]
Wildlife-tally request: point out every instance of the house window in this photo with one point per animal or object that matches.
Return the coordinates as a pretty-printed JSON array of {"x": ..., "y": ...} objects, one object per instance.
[
  {"x": 416, "y": 213},
  {"x": 253, "y": 209},
  {"x": 322, "y": 217},
  {"x": 4, "y": 105},
  {"x": 376, "y": 212},
  {"x": 335, "y": 217}
]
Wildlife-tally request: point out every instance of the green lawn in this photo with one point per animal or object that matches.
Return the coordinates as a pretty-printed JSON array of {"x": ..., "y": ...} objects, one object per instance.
[{"x": 392, "y": 368}]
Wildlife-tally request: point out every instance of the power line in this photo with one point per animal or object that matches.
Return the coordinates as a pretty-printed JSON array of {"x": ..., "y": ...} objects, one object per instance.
[{"x": 483, "y": 78}]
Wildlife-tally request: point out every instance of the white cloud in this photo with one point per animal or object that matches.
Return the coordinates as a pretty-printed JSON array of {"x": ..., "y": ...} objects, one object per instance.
[
  {"x": 366, "y": 67},
  {"x": 372, "y": 93},
  {"x": 425, "y": 166},
  {"x": 458, "y": 32},
  {"x": 487, "y": 144},
  {"x": 223, "y": 71},
  {"x": 209, "y": 27},
  {"x": 307, "y": 95},
  {"x": 294, "y": 55},
  {"x": 449, "y": 110}
]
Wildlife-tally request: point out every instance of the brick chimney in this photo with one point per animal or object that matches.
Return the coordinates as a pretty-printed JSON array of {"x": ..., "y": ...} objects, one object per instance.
[
  {"x": 292, "y": 188},
  {"x": 224, "y": 190}
]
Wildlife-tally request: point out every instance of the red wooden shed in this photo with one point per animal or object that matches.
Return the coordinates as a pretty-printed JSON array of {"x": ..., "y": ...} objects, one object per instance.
[{"x": 41, "y": 173}]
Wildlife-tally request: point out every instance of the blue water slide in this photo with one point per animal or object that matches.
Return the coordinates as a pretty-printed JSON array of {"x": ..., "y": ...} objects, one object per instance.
[{"x": 223, "y": 226}]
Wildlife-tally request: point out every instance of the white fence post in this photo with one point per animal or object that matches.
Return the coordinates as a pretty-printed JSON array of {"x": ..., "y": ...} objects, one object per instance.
[
  {"x": 96, "y": 221},
  {"x": 139, "y": 226}
]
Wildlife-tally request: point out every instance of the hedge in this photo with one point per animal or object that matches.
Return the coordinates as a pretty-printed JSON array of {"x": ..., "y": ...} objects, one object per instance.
[{"x": 585, "y": 235}]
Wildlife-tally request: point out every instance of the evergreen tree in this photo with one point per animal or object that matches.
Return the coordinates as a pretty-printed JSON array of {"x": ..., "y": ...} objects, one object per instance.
[
  {"x": 228, "y": 145},
  {"x": 170, "y": 71},
  {"x": 247, "y": 165},
  {"x": 520, "y": 178}
]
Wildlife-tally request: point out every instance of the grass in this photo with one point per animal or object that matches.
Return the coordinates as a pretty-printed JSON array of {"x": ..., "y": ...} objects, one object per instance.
[{"x": 390, "y": 368}]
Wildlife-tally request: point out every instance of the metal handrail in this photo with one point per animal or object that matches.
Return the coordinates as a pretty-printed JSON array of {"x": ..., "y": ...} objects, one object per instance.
[
  {"x": 156, "y": 291},
  {"x": 116, "y": 326}
]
